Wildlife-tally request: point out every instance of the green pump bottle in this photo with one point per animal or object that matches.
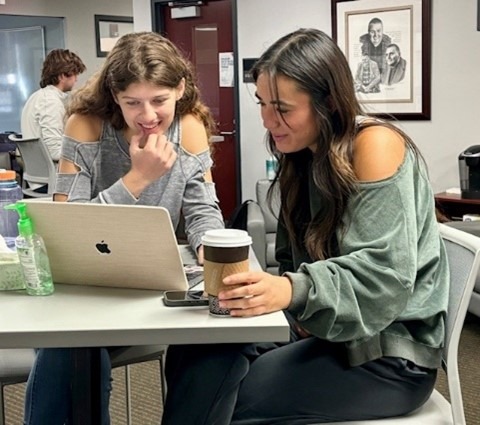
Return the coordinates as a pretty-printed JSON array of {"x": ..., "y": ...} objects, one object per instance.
[{"x": 32, "y": 254}]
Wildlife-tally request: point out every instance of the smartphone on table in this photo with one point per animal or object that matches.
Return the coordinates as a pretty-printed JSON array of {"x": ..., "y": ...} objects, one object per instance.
[{"x": 185, "y": 298}]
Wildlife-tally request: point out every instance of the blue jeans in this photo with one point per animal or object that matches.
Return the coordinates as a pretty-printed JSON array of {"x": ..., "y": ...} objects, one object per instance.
[{"x": 49, "y": 388}]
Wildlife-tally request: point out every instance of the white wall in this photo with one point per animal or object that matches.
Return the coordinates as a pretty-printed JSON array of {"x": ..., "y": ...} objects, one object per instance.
[
  {"x": 455, "y": 68},
  {"x": 143, "y": 15},
  {"x": 455, "y": 81},
  {"x": 260, "y": 23},
  {"x": 455, "y": 91},
  {"x": 79, "y": 22}
]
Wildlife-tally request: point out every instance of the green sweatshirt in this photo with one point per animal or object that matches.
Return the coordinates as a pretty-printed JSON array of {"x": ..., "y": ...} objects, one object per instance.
[{"x": 386, "y": 293}]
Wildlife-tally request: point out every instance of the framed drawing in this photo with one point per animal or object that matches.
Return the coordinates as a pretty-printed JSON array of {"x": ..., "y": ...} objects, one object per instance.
[
  {"x": 108, "y": 29},
  {"x": 388, "y": 48}
]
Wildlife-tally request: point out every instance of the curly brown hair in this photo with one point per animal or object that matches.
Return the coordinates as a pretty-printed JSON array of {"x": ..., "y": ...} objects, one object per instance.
[
  {"x": 140, "y": 57},
  {"x": 60, "y": 62}
]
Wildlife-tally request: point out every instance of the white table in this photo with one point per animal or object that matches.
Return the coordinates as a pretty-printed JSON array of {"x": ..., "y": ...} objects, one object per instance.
[{"x": 87, "y": 316}]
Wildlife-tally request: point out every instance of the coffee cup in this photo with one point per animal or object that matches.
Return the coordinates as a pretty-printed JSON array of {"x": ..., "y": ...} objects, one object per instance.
[{"x": 225, "y": 253}]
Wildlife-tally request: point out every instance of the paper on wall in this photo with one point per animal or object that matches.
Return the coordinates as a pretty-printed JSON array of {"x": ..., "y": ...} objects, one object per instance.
[{"x": 225, "y": 62}]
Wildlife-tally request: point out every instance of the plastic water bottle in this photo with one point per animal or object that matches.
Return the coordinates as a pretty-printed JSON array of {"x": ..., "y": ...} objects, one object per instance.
[
  {"x": 10, "y": 192},
  {"x": 271, "y": 165}
]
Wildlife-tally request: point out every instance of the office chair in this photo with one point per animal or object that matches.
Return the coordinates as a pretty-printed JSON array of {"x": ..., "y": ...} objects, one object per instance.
[
  {"x": 472, "y": 227},
  {"x": 126, "y": 356},
  {"x": 7, "y": 152},
  {"x": 262, "y": 226},
  {"x": 463, "y": 252},
  {"x": 38, "y": 166}
]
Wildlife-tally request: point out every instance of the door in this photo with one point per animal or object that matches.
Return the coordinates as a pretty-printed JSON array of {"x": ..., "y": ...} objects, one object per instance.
[{"x": 205, "y": 35}]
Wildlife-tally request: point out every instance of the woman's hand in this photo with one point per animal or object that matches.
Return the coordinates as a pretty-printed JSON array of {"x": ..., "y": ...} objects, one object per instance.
[
  {"x": 260, "y": 293},
  {"x": 151, "y": 158},
  {"x": 200, "y": 255}
]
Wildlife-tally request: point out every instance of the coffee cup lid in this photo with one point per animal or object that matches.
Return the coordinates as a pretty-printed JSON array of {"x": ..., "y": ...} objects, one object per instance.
[{"x": 226, "y": 238}]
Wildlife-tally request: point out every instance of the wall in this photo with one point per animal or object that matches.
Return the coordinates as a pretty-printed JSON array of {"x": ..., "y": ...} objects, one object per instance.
[
  {"x": 455, "y": 91},
  {"x": 79, "y": 22},
  {"x": 455, "y": 81},
  {"x": 143, "y": 15},
  {"x": 455, "y": 65},
  {"x": 260, "y": 23}
]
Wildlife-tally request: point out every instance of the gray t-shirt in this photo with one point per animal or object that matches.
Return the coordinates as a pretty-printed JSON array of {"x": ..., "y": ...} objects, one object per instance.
[{"x": 182, "y": 191}]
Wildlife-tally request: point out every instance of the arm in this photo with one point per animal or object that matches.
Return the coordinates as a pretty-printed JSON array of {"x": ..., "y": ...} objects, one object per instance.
[
  {"x": 367, "y": 286},
  {"x": 51, "y": 115},
  {"x": 74, "y": 171},
  {"x": 200, "y": 204}
]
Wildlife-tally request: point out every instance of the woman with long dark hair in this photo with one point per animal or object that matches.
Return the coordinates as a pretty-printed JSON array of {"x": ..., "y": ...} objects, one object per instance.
[{"x": 363, "y": 270}]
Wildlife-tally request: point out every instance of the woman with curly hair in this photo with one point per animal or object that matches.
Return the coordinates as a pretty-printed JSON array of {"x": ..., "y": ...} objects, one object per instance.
[{"x": 137, "y": 134}]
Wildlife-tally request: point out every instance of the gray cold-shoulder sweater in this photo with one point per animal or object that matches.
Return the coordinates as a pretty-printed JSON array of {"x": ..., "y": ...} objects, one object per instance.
[{"x": 183, "y": 190}]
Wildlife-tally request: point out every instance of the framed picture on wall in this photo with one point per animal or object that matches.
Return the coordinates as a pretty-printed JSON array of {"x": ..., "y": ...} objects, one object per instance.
[
  {"x": 108, "y": 29},
  {"x": 388, "y": 48}
]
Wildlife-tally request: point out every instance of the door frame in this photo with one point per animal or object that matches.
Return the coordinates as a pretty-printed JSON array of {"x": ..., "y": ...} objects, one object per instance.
[{"x": 158, "y": 25}]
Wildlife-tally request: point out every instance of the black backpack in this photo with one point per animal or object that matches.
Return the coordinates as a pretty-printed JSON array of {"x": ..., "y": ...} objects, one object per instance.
[{"x": 238, "y": 220}]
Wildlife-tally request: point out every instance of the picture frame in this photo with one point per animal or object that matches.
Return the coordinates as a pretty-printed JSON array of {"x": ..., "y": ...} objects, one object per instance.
[
  {"x": 108, "y": 29},
  {"x": 388, "y": 48},
  {"x": 478, "y": 15}
]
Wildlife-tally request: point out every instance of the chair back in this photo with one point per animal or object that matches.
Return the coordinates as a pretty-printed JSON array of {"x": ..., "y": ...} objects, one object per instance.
[
  {"x": 463, "y": 253},
  {"x": 38, "y": 165}
]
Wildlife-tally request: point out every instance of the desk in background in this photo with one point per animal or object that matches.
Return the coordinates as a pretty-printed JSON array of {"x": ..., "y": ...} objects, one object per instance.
[{"x": 454, "y": 206}]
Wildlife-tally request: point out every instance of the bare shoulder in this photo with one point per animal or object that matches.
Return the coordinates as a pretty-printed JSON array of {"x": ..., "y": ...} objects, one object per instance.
[
  {"x": 83, "y": 128},
  {"x": 378, "y": 153},
  {"x": 194, "y": 134}
]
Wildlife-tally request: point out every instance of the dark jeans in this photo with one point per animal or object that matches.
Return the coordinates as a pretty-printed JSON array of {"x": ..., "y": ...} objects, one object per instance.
[{"x": 303, "y": 382}]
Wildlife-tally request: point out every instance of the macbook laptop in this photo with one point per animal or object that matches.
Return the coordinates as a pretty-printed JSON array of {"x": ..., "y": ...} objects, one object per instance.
[{"x": 112, "y": 245}]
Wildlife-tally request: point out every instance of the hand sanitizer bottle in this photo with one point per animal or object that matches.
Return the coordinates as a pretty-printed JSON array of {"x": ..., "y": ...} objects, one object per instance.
[{"x": 32, "y": 254}]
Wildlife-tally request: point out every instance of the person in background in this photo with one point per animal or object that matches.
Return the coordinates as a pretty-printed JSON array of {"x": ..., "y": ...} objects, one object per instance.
[
  {"x": 376, "y": 42},
  {"x": 43, "y": 115},
  {"x": 367, "y": 77},
  {"x": 137, "y": 134},
  {"x": 396, "y": 66},
  {"x": 363, "y": 270}
]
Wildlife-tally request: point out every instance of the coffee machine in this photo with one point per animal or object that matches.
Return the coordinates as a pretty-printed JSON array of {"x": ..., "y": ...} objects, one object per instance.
[{"x": 469, "y": 168}]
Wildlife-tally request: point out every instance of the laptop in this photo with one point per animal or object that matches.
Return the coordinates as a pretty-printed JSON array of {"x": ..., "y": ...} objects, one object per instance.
[{"x": 112, "y": 245}]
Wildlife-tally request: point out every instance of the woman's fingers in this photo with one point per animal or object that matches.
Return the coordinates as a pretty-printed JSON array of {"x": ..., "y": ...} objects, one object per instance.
[{"x": 259, "y": 293}]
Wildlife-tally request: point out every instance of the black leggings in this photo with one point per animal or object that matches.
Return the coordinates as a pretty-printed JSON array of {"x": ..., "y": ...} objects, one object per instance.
[{"x": 302, "y": 382}]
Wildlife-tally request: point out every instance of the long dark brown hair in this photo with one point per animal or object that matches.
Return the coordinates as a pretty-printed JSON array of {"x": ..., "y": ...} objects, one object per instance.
[{"x": 318, "y": 67}]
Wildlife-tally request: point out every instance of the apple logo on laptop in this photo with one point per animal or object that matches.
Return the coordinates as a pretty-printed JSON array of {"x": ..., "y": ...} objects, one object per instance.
[{"x": 103, "y": 248}]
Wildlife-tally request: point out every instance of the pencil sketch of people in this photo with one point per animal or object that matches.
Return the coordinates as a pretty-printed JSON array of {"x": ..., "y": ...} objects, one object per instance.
[
  {"x": 376, "y": 42},
  {"x": 367, "y": 77},
  {"x": 396, "y": 66}
]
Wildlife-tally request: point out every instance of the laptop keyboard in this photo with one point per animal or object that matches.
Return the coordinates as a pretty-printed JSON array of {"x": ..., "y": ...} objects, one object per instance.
[{"x": 194, "y": 274}]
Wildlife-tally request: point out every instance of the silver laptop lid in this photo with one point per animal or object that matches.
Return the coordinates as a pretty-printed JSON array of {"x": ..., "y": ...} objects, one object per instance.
[{"x": 109, "y": 245}]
